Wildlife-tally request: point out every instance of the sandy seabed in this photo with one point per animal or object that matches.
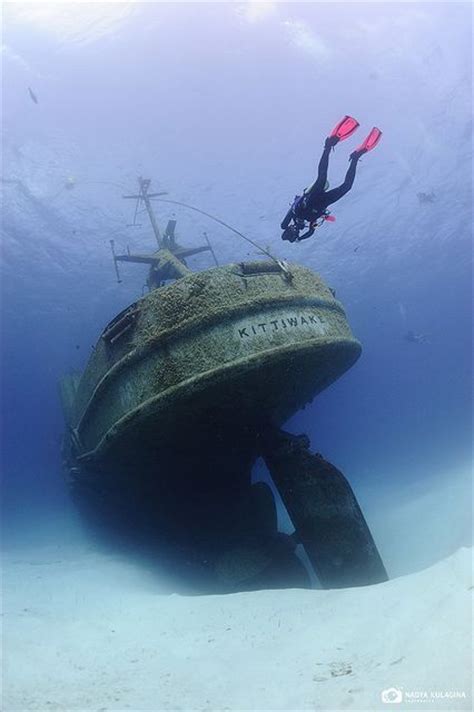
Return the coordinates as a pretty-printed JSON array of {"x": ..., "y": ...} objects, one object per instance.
[{"x": 87, "y": 631}]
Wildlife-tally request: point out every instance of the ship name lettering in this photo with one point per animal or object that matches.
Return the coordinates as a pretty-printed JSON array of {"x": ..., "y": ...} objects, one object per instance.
[{"x": 265, "y": 327}]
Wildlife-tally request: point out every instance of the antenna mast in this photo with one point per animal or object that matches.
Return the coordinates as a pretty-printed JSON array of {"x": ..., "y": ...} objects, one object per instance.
[{"x": 168, "y": 262}]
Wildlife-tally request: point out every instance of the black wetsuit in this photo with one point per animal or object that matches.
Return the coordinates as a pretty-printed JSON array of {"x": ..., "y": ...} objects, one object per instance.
[{"x": 315, "y": 201}]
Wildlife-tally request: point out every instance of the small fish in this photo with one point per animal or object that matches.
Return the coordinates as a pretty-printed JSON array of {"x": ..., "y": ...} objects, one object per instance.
[
  {"x": 426, "y": 197},
  {"x": 33, "y": 96}
]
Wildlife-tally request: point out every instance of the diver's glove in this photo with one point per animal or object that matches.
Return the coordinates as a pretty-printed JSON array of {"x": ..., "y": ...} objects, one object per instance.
[{"x": 291, "y": 234}]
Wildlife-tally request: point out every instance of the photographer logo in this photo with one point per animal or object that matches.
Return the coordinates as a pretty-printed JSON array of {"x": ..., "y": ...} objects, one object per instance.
[{"x": 392, "y": 695}]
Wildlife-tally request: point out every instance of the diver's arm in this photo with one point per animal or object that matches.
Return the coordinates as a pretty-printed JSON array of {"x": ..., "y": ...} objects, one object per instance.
[{"x": 308, "y": 232}]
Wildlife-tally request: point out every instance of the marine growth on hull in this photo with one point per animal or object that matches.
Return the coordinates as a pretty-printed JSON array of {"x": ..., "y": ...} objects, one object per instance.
[{"x": 184, "y": 391}]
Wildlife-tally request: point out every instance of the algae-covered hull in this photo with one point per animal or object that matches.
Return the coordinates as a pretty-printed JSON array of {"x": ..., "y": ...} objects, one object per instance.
[{"x": 241, "y": 344}]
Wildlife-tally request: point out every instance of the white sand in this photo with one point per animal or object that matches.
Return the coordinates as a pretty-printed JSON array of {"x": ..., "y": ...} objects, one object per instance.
[{"x": 83, "y": 630}]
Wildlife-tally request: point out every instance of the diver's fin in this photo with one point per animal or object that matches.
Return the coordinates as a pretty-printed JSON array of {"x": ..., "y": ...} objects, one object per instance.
[
  {"x": 345, "y": 128},
  {"x": 370, "y": 142}
]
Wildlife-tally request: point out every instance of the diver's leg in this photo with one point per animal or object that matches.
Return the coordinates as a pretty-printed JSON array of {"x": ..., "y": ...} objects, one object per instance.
[
  {"x": 336, "y": 193},
  {"x": 323, "y": 166}
]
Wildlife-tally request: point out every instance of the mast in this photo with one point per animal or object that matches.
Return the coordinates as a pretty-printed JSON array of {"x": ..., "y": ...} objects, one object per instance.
[
  {"x": 144, "y": 184},
  {"x": 169, "y": 261}
]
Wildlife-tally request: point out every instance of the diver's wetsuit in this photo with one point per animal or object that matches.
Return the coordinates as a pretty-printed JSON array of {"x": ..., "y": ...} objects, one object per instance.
[{"x": 314, "y": 202}]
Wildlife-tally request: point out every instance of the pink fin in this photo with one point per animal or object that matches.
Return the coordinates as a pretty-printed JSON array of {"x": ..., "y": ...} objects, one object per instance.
[
  {"x": 371, "y": 141},
  {"x": 345, "y": 128}
]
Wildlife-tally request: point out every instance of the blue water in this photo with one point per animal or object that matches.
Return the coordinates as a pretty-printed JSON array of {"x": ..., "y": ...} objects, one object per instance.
[{"x": 226, "y": 106}]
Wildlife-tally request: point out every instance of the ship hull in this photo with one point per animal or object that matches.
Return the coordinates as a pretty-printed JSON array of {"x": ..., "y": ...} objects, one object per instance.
[{"x": 240, "y": 344}]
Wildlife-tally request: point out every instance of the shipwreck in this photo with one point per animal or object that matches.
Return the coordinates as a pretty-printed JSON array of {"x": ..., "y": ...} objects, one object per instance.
[{"x": 190, "y": 385}]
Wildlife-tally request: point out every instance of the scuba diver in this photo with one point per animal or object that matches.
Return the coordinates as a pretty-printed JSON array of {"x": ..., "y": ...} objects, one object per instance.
[{"x": 310, "y": 209}]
